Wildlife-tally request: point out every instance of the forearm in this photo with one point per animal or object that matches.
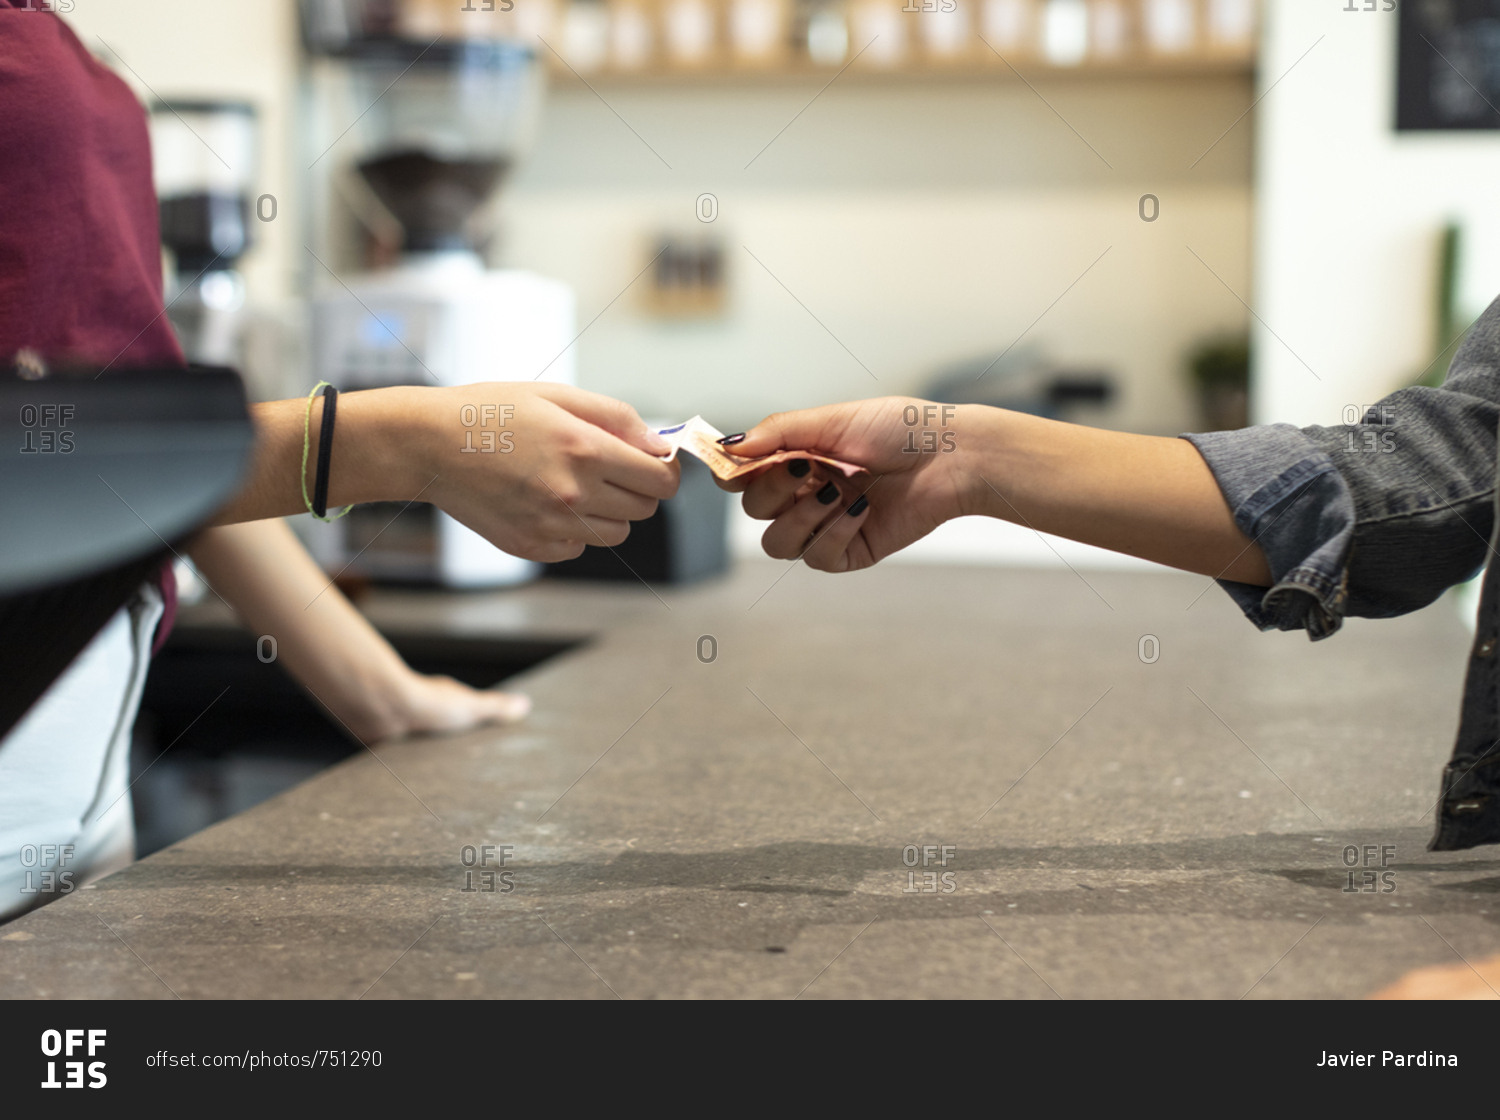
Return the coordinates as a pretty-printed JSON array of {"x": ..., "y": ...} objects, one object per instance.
[
  {"x": 264, "y": 573},
  {"x": 372, "y": 457},
  {"x": 1146, "y": 496}
]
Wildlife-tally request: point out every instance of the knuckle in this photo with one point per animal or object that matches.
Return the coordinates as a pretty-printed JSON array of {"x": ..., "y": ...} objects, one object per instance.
[
  {"x": 577, "y": 445},
  {"x": 590, "y": 450},
  {"x": 568, "y": 492}
]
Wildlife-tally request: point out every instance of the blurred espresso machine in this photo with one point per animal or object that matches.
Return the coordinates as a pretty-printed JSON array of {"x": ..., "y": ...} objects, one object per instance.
[
  {"x": 436, "y": 126},
  {"x": 203, "y": 157}
]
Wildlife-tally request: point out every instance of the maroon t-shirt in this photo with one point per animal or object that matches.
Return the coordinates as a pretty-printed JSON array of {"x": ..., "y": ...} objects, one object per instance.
[{"x": 80, "y": 255}]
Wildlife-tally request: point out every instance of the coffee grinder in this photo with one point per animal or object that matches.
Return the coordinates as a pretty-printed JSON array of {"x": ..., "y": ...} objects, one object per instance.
[
  {"x": 443, "y": 124},
  {"x": 203, "y": 156}
]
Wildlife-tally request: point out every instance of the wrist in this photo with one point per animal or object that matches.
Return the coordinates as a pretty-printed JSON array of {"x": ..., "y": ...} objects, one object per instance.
[
  {"x": 1020, "y": 460},
  {"x": 981, "y": 459},
  {"x": 371, "y": 691},
  {"x": 382, "y": 445},
  {"x": 395, "y": 707}
]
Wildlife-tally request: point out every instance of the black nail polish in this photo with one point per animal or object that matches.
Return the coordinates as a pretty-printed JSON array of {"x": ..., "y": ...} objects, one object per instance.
[
  {"x": 859, "y": 505},
  {"x": 798, "y": 468},
  {"x": 828, "y": 495},
  {"x": 729, "y": 441}
]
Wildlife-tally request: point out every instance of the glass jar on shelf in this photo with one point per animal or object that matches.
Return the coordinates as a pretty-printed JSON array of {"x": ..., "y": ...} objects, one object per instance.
[
  {"x": 585, "y": 35},
  {"x": 1169, "y": 27},
  {"x": 822, "y": 32},
  {"x": 1065, "y": 32},
  {"x": 632, "y": 42},
  {"x": 1110, "y": 30},
  {"x": 689, "y": 33},
  {"x": 945, "y": 30},
  {"x": 758, "y": 32},
  {"x": 1009, "y": 28},
  {"x": 1230, "y": 26},
  {"x": 880, "y": 29}
]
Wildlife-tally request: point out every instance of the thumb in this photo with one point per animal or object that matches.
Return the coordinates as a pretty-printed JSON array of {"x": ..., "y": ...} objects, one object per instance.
[
  {"x": 811, "y": 429},
  {"x": 615, "y": 417}
]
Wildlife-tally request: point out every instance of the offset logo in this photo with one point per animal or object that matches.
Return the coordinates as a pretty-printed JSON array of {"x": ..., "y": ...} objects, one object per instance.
[
  {"x": 73, "y": 1046},
  {"x": 46, "y": 868}
]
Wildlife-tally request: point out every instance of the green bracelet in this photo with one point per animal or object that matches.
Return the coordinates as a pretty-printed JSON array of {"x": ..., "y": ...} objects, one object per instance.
[{"x": 306, "y": 444}]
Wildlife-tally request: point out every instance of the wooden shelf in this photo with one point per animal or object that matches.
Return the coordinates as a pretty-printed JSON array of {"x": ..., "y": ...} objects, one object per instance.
[{"x": 973, "y": 68}]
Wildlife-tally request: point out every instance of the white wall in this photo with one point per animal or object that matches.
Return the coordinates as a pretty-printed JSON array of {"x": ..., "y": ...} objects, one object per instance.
[
  {"x": 1347, "y": 217},
  {"x": 922, "y": 223}
]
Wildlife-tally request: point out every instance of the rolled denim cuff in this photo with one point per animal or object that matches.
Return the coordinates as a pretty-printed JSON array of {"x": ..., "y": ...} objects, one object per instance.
[{"x": 1288, "y": 497}]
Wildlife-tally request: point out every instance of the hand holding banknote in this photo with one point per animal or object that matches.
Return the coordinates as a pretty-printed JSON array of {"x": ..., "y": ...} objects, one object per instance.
[
  {"x": 926, "y": 463},
  {"x": 846, "y": 485}
]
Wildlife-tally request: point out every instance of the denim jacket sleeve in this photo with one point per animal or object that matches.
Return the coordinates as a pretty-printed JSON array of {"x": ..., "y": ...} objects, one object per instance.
[{"x": 1371, "y": 519}]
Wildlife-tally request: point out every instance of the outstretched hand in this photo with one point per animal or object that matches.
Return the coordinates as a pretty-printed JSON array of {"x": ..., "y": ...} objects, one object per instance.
[{"x": 840, "y": 524}]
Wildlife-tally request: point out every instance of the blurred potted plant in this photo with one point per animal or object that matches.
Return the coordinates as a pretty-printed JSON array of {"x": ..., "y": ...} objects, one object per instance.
[
  {"x": 1448, "y": 324},
  {"x": 1220, "y": 369}
]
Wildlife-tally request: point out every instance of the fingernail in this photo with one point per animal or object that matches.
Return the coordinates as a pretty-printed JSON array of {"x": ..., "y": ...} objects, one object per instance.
[
  {"x": 859, "y": 505},
  {"x": 728, "y": 441},
  {"x": 798, "y": 467},
  {"x": 828, "y": 495}
]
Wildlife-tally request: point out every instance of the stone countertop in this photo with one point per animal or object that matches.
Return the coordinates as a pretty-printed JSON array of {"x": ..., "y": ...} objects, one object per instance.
[{"x": 912, "y": 781}]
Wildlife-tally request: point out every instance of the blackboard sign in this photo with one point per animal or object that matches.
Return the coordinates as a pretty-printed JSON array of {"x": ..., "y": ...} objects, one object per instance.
[{"x": 1448, "y": 65}]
